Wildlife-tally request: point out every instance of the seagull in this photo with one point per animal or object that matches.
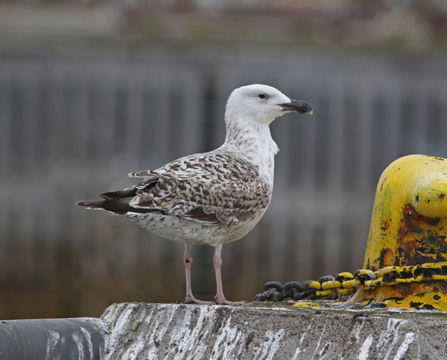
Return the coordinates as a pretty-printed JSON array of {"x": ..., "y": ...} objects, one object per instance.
[{"x": 216, "y": 197}]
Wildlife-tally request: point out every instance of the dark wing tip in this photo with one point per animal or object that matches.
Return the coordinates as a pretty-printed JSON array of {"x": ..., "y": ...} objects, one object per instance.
[
  {"x": 113, "y": 195},
  {"x": 107, "y": 195},
  {"x": 90, "y": 203}
]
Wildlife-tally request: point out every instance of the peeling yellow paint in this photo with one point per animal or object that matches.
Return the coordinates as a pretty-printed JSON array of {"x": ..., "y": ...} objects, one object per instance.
[{"x": 409, "y": 227}]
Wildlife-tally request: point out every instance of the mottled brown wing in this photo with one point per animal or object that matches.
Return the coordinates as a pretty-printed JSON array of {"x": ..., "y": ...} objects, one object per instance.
[
  {"x": 212, "y": 187},
  {"x": 225, "y": 204}
]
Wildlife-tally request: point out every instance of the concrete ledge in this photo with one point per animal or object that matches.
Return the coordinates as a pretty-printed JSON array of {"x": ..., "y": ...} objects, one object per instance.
[{"x": 168, "y": 331}]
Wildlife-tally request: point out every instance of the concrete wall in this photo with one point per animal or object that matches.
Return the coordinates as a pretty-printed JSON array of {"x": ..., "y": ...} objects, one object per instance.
[{"x": 167, "y": 331}]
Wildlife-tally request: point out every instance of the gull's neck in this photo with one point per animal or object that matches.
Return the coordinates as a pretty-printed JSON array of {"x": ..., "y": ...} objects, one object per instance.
[{"x": 252, "y": 141}]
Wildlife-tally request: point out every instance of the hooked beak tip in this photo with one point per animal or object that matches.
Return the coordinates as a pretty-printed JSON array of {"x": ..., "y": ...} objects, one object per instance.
[{"x": 299, "y": 106}]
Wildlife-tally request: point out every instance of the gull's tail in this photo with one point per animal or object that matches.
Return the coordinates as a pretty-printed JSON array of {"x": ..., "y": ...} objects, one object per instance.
[
  {"x": 114, "y": 206},
  {"x": 93, "y": 204},
  {"x": 116, "y": 202}
]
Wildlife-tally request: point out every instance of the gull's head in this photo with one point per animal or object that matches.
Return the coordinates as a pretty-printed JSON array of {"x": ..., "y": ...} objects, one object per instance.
[{"x": 262, "y": 104}]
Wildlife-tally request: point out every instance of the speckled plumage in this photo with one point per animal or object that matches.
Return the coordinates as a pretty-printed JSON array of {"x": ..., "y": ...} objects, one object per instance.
[
  {"x": 216, "y": 197},
  {"x": 210, "y": 198}
]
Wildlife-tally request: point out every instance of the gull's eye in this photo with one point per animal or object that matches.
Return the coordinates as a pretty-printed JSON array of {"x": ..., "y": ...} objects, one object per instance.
[{"x": 262, "y": 96}]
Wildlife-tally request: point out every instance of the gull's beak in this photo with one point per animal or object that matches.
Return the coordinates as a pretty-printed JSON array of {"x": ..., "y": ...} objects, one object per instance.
[{"x": 297, "y": 105}]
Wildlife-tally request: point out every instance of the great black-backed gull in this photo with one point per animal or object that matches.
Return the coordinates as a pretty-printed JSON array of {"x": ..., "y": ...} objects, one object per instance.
[{"x": 216, "y": 197}]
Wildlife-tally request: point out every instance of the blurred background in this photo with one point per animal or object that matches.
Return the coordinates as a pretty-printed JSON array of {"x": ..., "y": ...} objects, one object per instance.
[{"x": 91, "y": 90}]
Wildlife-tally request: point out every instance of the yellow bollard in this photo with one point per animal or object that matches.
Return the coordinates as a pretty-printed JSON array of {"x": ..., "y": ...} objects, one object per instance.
[{"x": 409, "y": 227}]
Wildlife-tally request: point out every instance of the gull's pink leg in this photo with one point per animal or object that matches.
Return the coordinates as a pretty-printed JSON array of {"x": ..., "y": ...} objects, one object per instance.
[
  {"x": 187, "y": 260},
  {"x": 217, "y": 261}
]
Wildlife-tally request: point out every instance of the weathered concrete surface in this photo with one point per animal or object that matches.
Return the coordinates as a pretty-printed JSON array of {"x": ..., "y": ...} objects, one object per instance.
[{"x": 168, "y": 331}]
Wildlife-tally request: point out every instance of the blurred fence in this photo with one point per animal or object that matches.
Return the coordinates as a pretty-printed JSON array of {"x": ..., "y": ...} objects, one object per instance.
[{"x": 72, "y": 127}]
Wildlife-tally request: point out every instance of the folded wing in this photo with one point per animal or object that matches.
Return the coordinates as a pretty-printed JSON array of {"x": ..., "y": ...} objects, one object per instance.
[{"x": 197, "y": 188}]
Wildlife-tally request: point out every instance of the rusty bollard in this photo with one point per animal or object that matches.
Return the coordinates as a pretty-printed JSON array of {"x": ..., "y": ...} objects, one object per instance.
[{"x": 409, "y": 227}]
